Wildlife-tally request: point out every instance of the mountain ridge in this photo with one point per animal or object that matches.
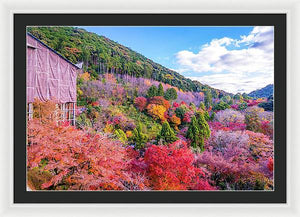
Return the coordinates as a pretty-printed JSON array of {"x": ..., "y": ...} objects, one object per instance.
[{"x": 266, "y": 91}]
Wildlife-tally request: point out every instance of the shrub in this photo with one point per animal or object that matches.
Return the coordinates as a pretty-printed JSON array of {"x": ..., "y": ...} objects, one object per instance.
[
  {"x": 121, "y": 135},
  {"x": 170, "y": 167},
  {"x": 243, "y": 106},
  {"x": 152, "y": 91},
  {"x": 79, "y": 160},
  {"x": 261, "y": 145},
  {"x": 159, "y": 100},
  {"x": 139, "y": 137},
  {"x": 187, "y": 117},
  {"x": 238, "y": 160},
  {"x": 120, "y": 121},
  {"x": 166, "y": 134},
  {"x": 82, "y": 121},
  {"x": 228, "y": 127},
  {"x": 252, "y": 118},
  {"x": 140, "y": 103},
  {"x": 221, "y": 106},
  {"x": 220, "y": 140},
  {"x": 229, "y": 116},
  {"x": 266, "y": 127},
  {"x": 181, "y": 110},
  {"x": 175, "y": 122},
  {"x": 171, "y": 94},
  {"x": 157, "y": 111}
]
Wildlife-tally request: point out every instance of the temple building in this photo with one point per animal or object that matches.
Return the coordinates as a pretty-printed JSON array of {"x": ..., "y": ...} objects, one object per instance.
[{"x": 50, "y": 76}]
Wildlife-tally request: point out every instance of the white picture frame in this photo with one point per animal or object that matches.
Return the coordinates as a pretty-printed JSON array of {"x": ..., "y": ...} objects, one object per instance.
[{"x": 290, "y": 7}]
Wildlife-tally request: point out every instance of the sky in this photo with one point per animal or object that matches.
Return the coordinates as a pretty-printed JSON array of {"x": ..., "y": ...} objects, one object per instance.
[{"x": 234, "y": 59}]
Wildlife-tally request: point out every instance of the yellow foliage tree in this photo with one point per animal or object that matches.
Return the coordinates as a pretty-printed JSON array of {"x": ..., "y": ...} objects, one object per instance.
[
  {"x": 157, "y": 111},
  {"x": 168, "y": 76}
]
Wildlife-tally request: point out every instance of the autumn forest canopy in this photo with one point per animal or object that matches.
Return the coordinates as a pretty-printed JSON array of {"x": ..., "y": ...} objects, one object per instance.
[{"x": 142, "y": 126}]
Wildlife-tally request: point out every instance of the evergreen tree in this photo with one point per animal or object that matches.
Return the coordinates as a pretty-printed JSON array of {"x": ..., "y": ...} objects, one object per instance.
[
  {"x": 121, "y": 135},
  {"x": 212, "y": 116},
  {"x": 193, "y": 132},
  {"x": 198, "y": 131},
  {"x": 206, "y": 115},
  {"x": 160, "y": 91},
  {"x": 139, "y": 137},
  {"x": 204, "y": 129},
  {"x": 166, "y": 134},
  {"x": 171, "y": 94},
  {"x": 192, "y": 105},
  {"x": 152, "y": 91},
  {"x": 202, "y": 106},
  {"x": 208, "y": 98}
]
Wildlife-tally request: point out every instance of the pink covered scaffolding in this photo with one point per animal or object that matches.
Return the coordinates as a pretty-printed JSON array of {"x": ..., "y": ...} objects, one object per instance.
[{"x": 50, "y": 76}]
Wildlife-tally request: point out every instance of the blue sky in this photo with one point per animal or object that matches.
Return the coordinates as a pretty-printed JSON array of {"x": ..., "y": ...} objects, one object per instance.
[{"x": 236, "y": 59}]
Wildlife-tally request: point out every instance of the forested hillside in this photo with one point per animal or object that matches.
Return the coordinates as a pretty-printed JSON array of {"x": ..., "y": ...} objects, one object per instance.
[
  {"x": 101, "y": 55},
  {"x": 266, "y": 91},
  {"x": 141, "y": 126}
]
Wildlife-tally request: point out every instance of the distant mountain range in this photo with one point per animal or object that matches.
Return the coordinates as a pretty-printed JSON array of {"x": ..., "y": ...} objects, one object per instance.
[
  {"x": 101, "y": 55},
  {"x": 263, "y": 92}
]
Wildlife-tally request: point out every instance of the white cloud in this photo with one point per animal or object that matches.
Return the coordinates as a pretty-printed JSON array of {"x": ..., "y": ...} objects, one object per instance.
[{"x": 234, "y": 65}]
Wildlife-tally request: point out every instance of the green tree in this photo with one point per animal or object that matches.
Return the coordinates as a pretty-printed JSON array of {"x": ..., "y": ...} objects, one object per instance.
[
  {"x": 221, "y": 106},
  {"x": 204, "y": 129},
  {"x": 152, "y": 91},
  {"x": 238, "y": 96},
  {"x": 208, "y": 98},
  {"x": 193, "y": 132},
  {"x": 206, "y": 116},
  {"x": 139, "y": 137},
  {"x": 171, "y": 94},
  {"x": 226, "y": 99},
  {"x": 166, "y": 134},
  {"x": 180, "y": 111},
  {"x": 202, "y": 106},
  {"x": 192, "y": 105},
  {"x": 245, "y": 96},
  {"x": 121, "y": 135},
  {"x": 160, "y": 91},
  {"x": 198, "y": 131},
  {"x": 243, "y": 106},
  {"x": 212, "y": 116}
]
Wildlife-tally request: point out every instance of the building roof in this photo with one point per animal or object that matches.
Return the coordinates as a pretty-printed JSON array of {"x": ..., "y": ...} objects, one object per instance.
[{"x": 76, "y": 65}]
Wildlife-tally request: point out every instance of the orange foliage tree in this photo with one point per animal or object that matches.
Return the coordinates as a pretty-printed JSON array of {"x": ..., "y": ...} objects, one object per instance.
[
  {"x": 159, "y": 100},
  {"x": 85, "y": 76},
  {"x": 175, "y": 121}
]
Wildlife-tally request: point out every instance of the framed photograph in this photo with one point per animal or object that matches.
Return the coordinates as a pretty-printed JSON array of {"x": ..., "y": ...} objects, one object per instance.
[
  {"x": 104, "y": 120},
  {"x": 141, "y": 109}
]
